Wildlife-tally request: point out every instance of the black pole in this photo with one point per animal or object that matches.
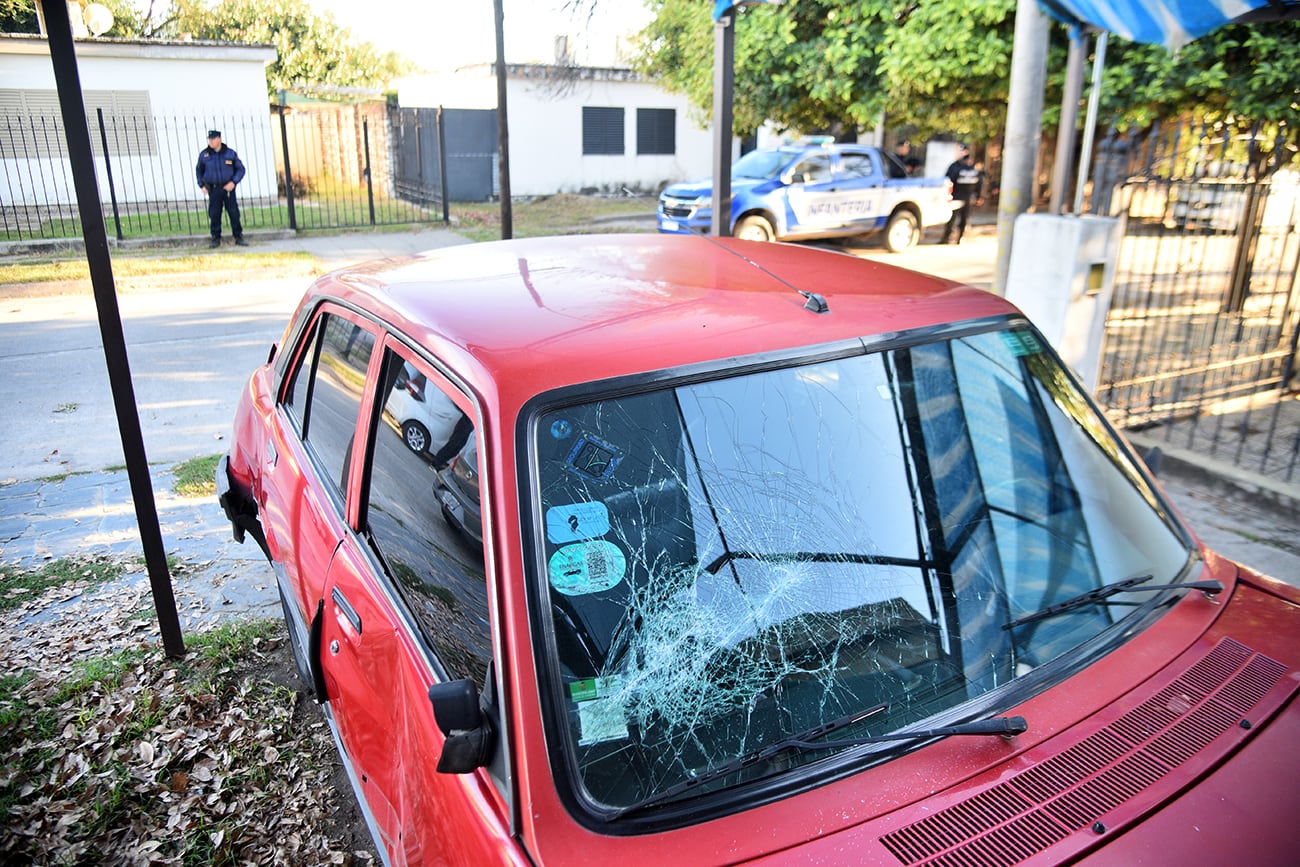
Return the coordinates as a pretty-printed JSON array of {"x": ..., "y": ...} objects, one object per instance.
[
  {"x": 108, "y": 167},
  {"x": 503, "y": 127},
  {"x": 724, "y": 75},
  {"x": 442, "y": 167},
  {"x": 370, "y": 189},
  {"x": 288, "y": 172},
  {"x": 63, "y": 56}
]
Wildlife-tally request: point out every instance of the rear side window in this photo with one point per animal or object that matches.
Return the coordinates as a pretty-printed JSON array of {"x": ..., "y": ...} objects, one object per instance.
[
  {"x": 423, "y": 514},
  {"x": 324, "y": 394}
]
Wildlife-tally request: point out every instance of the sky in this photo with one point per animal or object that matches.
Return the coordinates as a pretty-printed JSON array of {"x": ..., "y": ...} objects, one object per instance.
[{"x": 444, "y": 34}]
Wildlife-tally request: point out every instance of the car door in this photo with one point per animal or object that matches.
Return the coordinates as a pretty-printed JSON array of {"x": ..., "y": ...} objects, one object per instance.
[
  {"x": 860, "y": 190},
  {"x": 812, "y": 196},
  {"x": 407, "y": 606},
  {"x": 307, "y": 458}
]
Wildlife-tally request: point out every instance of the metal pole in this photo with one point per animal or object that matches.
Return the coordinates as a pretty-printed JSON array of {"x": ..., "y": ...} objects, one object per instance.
[
  {"x": 503, "y": 127},
  {"x": 68, "y": 81},
  {"x": 1090, "y": 125},
  {"x": 724, "y": 76},
  {"x": 370, "y": 187},
  {"x": 288, "y": 172},
  {"x": 442, "y": 167},
  {"x": 1069, "y": 119},
  {"x": 108, "y": 168},
  {"x": 1024, "y": 131}
]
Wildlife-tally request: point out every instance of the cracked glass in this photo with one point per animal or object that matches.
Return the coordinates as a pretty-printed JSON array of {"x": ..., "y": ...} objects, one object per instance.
[{"x": 732, "y": 562}]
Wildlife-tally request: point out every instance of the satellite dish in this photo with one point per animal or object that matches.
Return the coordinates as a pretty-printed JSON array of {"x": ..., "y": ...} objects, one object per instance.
[{"x": 98, "y": 18}]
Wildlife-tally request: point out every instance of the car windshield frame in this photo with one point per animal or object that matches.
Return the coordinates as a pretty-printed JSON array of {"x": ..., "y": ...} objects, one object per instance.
[
  {"x": 587, "y": 711},
  {"x": 765, "y": 164}
]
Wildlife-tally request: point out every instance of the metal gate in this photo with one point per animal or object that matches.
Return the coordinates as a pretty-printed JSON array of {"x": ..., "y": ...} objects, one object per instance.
[
  {"x": 430, "y": 144},
  {"x": 1201, "y": 337}
]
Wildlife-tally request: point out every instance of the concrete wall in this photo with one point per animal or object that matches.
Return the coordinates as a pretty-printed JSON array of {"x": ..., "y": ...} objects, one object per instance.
[
  {"x": 545, "y": 106},
  {"x": 192, "y": 87}
]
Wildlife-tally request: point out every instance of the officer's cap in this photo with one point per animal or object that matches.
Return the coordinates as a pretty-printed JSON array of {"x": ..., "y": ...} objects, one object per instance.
[{"x": 214, "y": 133}]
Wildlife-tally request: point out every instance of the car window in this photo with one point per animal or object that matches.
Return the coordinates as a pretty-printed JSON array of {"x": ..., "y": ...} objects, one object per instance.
[
  {"x": 736, "y": 561},
  {"x": 324, "y": 393},
  {"x": 815, "y": 169},
  {"x": 854, "y": 165},
  {"x": 423, "y": 514}
]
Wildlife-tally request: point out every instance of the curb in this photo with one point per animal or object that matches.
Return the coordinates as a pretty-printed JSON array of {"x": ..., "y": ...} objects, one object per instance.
[
  {"x": 1197, "y": 469},
  {"x": 37, "y": 246}
]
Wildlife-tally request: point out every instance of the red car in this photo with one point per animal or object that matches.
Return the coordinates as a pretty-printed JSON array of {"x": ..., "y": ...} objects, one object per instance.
[{"x": 785, "y": 557}]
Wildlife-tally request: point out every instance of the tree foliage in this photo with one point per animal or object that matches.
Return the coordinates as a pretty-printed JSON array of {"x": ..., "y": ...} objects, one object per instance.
[
  {"x": 943, "y": 66},
  {"x": 314, "y": 53}
]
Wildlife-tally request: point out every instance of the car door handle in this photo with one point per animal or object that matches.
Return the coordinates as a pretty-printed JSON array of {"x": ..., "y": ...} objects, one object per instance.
[{"x": 341, "y": 601}]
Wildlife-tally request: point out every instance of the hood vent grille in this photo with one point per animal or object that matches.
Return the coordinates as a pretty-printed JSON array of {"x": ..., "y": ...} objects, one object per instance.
[{"x": 1029, "y": 812}]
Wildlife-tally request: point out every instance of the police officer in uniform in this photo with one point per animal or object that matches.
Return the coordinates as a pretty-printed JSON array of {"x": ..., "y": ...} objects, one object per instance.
[
  {"x": 219, "y": 171},
  {"x": 967, "y": 188}
]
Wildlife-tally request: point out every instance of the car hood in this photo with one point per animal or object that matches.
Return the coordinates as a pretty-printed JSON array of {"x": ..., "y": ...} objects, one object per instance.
[
  {"x": 1201, "y": 756},
  {"x": 704, "y": 187}
]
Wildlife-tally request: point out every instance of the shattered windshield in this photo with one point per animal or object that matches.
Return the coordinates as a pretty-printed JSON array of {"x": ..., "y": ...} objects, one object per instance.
[{"x": 731, "y": 562}]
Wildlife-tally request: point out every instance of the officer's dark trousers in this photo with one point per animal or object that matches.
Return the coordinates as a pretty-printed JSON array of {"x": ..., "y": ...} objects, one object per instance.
[
  {"x": 217, "y": 199},
  {"x": 957, "y": 222}
]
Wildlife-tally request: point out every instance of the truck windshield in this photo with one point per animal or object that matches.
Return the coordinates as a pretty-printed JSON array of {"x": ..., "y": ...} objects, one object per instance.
[
  {"x": 764, "y": 164},
  {"x": 726, "y": 563}
]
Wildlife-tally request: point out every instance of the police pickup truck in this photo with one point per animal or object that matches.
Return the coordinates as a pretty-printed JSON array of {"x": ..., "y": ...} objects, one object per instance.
[{"x": 820, "y": 190}]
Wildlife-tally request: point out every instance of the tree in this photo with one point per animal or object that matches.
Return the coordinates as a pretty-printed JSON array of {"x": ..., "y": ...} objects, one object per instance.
[
  {"x": 313, "y": 53},
  {"x": 1240, "y": 80}
]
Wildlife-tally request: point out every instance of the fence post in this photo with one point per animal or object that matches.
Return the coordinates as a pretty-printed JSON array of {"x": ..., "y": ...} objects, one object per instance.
[
  {"x": 442, "y": 169},
  {"x": 108, "y": 167},
  {"x": 288, "y": 172},
  {"x": 370, "y": 188}
]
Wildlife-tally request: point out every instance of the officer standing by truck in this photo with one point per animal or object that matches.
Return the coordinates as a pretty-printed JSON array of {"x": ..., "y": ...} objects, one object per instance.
[
  {"x": 967, "y": 189},
  {"x": 219, "y": 171}
]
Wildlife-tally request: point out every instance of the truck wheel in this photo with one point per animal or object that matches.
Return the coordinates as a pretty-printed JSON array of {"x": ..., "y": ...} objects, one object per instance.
[
  {"x": 755, "y": 228},
  {"x": 902, "y": 231}
]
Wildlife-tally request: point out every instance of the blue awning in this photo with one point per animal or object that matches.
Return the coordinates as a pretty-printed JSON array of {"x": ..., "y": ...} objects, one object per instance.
[{"x": 1171, "y": 23}]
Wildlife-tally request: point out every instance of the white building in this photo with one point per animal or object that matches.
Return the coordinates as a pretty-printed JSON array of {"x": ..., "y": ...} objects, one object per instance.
[
  {"x": 578, "y": 128},
  {"x": 158, "y": 100}
]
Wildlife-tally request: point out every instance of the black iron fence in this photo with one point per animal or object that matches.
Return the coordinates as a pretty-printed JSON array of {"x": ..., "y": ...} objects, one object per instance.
[
  {"x": 314, "y": 167},
  {"x": 1202, "y": 334}
]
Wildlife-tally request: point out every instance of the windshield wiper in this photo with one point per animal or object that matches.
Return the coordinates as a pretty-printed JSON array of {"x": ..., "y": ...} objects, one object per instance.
[
  {"x": 1095, "y": 596},
  {"x": 811, "y": 740}
]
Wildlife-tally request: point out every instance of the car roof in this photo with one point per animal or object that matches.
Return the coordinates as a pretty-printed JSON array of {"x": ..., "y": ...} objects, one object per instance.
[{"x": 521, "y": 317}]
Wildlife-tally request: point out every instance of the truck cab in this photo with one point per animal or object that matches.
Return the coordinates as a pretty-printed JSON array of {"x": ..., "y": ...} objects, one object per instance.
[{"x": 801, "y": 192}]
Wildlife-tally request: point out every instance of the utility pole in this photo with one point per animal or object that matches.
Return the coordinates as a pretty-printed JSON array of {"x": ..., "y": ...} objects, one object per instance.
[
  {"x": 1024, "y": 129},
  {"x": 503, "y": 127},
  {"x": 724, "y": 79}
]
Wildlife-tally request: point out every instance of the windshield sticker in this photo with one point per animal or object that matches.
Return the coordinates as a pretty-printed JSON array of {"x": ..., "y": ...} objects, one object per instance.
[
  {"x": 576, "y": 522},
  {"x": 601, "y": 720},
  {"x": 594, "y": 687},
  {"x": 593, "y": 459},
  {"x": 560, "y": 429},
  {"x": 586, "y": 567},
  {"x": 1021, "y": 342}
]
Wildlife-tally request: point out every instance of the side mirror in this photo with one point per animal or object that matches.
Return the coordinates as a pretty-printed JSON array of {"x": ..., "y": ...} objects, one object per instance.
[
  {"x": 470, "y": 737},
  {"x": 797, "y": 178}
]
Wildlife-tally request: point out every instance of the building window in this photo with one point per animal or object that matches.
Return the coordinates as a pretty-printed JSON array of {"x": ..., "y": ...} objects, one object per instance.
[
  {"x": 656, "y": 130},
  {"x": 31, "y": 123},
  {"x": 602, "y": 130}
]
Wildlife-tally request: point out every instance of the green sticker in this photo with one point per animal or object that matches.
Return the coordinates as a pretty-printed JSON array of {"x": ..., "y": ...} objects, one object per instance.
[
  {"x": 586, "y": 567},
  {"x": 592, "y": 688},
  {"x": 1021, "y": 342}
]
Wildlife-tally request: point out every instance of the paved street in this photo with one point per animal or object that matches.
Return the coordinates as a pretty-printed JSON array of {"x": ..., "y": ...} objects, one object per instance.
[{"x": 191, "y": 350}]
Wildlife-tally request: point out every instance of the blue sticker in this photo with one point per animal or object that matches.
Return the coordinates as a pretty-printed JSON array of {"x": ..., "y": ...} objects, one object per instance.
[
  {"x": 1021, "y": 342},
  {"x": 560, "y": 429},
  {"x": 592, "y": 458},
  {"x": 586, "y": 567},
  {"x": 576, "y": 522}
]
